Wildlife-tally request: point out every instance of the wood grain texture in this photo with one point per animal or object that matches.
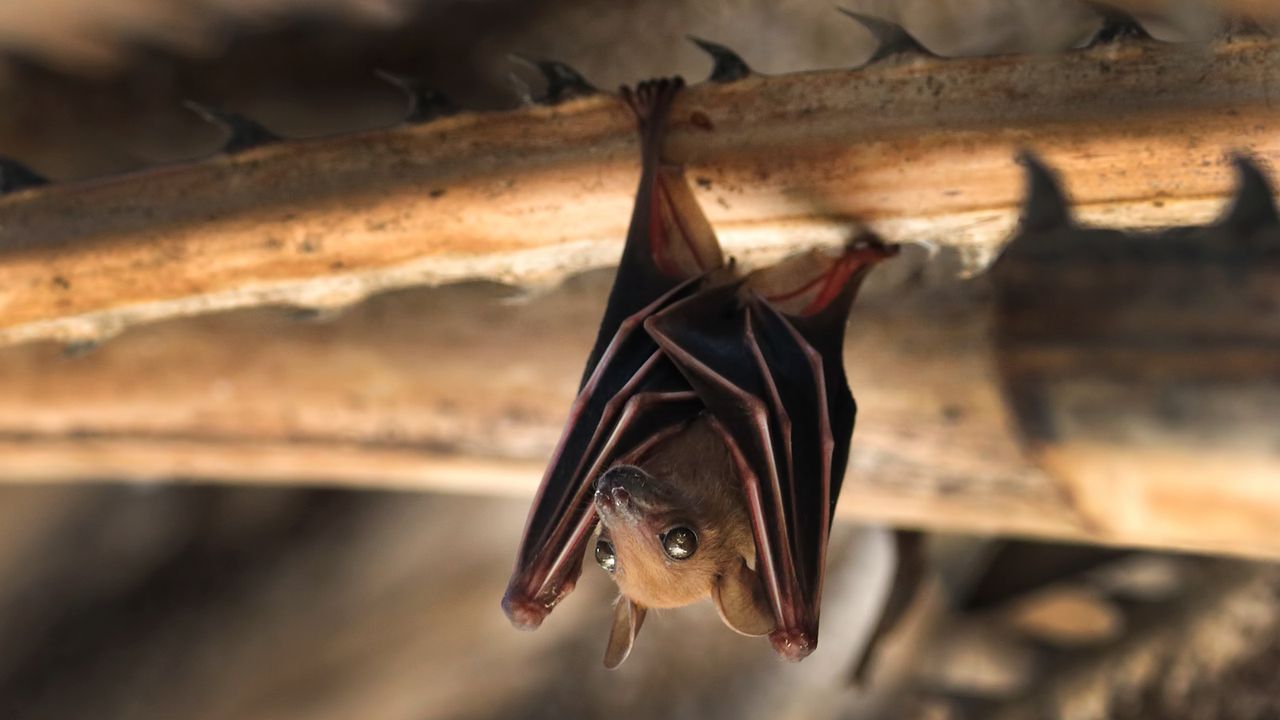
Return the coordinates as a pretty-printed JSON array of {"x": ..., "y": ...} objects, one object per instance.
[
  {"x": 1144, "y": 368},
  {"x": 464, "y": 389},
  {"x": 918, "y": 149}
]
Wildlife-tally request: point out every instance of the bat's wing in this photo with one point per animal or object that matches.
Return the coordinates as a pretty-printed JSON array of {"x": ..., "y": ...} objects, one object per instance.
[
  {"x": 669, "y": 239},
  {"x": 765, "y": 356},
  {"x": 630, "y": 393}
]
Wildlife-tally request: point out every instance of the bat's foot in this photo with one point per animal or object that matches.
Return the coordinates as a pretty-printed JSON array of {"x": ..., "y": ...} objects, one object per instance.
[
  {"x": 793, "y": 645},
  {"x": 524, "y": 614},
  {"x": 869, "y": 249},
  {"x": 650, "y": 101}
]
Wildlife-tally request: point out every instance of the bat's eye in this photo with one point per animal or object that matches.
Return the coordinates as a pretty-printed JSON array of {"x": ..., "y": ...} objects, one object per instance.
[
  {"x": 605, "y": 557},
  {"x": 680, "y": 543}
]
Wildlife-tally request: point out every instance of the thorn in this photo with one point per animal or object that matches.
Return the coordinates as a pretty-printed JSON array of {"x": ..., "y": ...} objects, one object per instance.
[
  {"x": 243, "y": 133},
  {"x": 1254, "y": 205},
  {"x": 1046, "y": 206},
  {"x": 1117, "y": 25},
  {"x": 425, "y": 102},
  {"x": 726, "y": 65},
  {"x": 1245, "y": 27},
  {"x": 563, "y": 82},
  {"x": 521, "y": 88},
  {"x": 15, "y": 176},
  {"x": 891, "y": 38}
]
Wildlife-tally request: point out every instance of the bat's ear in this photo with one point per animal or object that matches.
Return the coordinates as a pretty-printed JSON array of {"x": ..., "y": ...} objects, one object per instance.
[
  {"x": 627, "y": 619},
  {"x": 741, "y": 600}
]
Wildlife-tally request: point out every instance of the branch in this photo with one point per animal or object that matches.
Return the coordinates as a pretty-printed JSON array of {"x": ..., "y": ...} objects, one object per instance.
[{"x": 917, "y": 148}]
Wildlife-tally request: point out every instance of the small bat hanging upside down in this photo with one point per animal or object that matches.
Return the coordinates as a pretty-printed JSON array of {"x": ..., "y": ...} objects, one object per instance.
[{"x": 711, "y": 431}]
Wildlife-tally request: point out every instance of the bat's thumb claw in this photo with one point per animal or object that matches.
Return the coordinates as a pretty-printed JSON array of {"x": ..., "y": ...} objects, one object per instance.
[
  {"x": 793, "y": 645},
  {"x": 524, "y": 614}
]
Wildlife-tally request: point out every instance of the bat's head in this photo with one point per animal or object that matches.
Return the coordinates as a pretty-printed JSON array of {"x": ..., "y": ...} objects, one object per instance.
[{"x": 676, "y": 532}]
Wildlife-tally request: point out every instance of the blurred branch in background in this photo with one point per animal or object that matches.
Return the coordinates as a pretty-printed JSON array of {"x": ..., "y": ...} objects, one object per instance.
[{"x": 464, "y": 389}]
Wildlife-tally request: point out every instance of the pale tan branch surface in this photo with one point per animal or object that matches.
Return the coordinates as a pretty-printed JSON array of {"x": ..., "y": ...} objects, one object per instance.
[
  {"x": 461, "y": 389},
  {"x": 918, "y": 149}
]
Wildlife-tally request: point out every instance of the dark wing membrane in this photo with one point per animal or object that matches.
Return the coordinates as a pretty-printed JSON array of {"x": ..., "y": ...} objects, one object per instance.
[
  {"x": 795, "y": 374},
  {"x": 774, "y": 382},
  {"x": 601, "y": 424},
  {"x": 815, "y": 293},
  {"x": 713, "y": 339},
  {"x": 669, "y": 240},
  {"x": 669, "y": 249}
]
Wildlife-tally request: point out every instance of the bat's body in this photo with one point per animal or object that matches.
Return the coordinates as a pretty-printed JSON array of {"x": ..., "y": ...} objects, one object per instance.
[{"x": 711, "y": 431}]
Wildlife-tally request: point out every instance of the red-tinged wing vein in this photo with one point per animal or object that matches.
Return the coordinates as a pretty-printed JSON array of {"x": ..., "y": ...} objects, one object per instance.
[
  {"x": 783, "y": 488},
  {"x": 808, "y": 394},
  {"x": 661, "y": 410},
  {"x": 793, "y": 373},
  {"x": 767, "y": 565},
  {"x": 709, "y": 339},
  {"x": 683, "y": 216}
]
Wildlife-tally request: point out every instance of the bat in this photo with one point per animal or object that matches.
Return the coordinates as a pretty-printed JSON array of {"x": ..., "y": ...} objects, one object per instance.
[{"x": 711, "y": 430}]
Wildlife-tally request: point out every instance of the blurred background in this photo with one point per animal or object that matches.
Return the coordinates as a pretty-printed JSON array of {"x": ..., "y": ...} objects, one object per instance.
[{"x": 180, "y": 599}]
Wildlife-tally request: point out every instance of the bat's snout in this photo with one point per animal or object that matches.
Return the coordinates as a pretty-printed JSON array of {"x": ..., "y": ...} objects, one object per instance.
[{"x": 623, "y": 492}]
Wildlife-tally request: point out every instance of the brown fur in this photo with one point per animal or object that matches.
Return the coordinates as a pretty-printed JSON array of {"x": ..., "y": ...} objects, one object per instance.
[{"x": 699, "y": 489}]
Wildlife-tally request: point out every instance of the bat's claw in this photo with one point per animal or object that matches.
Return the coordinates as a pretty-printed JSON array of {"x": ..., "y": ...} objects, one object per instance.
[
  {"x": 524, "y": 614},
  {"x": 793, "y": 644},
  {"x": 651, "y": 99}
]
